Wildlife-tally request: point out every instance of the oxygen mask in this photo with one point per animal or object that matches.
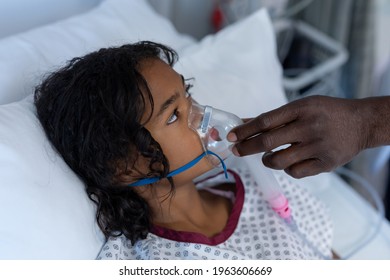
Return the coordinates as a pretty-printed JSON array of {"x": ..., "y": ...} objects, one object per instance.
[{"x": 212, "y": 125}]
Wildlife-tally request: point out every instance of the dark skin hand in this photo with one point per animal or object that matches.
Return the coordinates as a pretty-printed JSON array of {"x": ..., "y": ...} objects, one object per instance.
[{"x": 321, "y": 132}]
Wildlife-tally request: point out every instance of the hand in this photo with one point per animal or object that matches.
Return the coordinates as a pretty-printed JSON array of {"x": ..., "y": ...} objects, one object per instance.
[{"x": 322, "y": 132}]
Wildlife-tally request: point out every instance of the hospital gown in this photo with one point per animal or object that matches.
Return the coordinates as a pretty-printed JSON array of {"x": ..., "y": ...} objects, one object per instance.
[{"x": 253, "y": 230}]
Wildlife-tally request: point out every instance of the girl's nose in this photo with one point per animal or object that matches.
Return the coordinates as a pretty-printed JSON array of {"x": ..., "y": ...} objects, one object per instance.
[{"x": 214, "y": 134}]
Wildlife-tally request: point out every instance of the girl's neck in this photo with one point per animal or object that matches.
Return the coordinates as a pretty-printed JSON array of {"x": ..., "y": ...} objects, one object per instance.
[
  {"x": 191, "y": 210},
  {"x": 185, "y": 204}
]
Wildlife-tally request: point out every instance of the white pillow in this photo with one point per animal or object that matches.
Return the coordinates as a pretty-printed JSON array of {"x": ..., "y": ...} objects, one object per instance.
[
  {"x": 26, "y": 57},
  {"x": 237, "y": 70},
  {"x": 44, "y": 209},
  {"x": 45, "y": 212}
]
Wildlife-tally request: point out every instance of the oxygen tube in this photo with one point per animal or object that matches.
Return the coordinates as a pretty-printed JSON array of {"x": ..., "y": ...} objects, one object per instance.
[{"x": 272, "y": 192}]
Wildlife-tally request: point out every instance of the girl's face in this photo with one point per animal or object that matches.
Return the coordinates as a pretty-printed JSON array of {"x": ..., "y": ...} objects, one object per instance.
[{"x": 168, "y": 124}]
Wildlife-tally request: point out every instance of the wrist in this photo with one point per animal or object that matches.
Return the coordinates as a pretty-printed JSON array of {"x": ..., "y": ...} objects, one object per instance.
[{"x": 375, "y": 120}]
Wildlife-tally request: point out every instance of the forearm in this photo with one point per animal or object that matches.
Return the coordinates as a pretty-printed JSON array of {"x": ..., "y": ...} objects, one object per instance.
[{"x": 375, "y": 116}]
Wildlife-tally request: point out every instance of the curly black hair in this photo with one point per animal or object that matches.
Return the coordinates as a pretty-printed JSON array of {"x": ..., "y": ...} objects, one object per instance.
[{"x": 91, "y": 111}]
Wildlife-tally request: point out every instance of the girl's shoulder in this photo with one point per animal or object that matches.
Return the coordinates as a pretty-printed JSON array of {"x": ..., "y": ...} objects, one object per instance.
[
  {"x": 115, "y": 248},
  {"x": 152, "y": 247}
]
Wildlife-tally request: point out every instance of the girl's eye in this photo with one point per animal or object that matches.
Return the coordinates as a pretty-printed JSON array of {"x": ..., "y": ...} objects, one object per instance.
[{"x": 174, "y": 117}]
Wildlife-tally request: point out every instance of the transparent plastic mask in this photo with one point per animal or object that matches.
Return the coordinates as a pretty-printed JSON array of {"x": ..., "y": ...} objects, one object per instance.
[{"x": 212, "y": 125}]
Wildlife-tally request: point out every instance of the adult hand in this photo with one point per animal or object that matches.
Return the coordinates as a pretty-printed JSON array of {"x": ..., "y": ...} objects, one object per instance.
[{"x": 322, "y": 132}]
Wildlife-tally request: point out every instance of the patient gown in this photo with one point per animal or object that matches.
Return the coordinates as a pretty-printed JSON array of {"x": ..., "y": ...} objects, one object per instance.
[{"x": 253, "y": 230}]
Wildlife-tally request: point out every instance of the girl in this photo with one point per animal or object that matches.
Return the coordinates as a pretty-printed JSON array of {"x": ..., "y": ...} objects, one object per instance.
[{"x": 120, "y": 119}]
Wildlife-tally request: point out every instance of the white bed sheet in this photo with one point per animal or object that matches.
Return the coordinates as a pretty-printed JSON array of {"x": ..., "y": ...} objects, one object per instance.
[{"x": 353, "y": 217}]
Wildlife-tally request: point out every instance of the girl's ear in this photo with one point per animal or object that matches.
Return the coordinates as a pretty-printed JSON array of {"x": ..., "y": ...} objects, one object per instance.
[
  {"x": 131, "y": 170},
  {"x": 124, "y": 178}
]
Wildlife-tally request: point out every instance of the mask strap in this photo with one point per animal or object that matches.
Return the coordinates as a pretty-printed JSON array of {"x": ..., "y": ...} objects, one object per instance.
[
  {"x": 148, "y": 181},
  {"x": 222, "y": 163}
]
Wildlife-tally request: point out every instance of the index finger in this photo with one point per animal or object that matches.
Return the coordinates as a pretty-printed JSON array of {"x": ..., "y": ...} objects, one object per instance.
[{"x": 264, "y": 122}]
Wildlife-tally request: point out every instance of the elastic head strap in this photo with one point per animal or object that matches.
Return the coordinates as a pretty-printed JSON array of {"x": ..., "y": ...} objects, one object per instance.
[{"x": 148, "y": 181}]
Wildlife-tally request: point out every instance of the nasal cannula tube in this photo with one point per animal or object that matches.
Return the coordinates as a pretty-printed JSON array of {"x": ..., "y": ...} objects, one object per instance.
[{"x": 272, "y": 192}]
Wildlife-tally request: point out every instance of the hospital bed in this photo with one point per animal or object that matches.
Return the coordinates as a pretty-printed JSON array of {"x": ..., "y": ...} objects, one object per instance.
[{"x": 44, "y": 211}]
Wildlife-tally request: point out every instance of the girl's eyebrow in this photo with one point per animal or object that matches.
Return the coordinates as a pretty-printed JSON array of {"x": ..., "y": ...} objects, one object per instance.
[
  {"x": 170, "y": 100},
  {"x": 168, "y": 103}
]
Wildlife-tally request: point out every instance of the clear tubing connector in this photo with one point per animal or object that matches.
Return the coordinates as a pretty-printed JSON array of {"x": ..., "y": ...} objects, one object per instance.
[{"x": 270, "y": 187}]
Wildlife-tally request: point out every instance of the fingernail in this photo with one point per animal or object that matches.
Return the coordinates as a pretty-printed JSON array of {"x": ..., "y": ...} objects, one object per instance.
[
  {"x": 234, "y": 150},
  {"x": 231, "y": 137},
  {"x": 266, "y": 154}
]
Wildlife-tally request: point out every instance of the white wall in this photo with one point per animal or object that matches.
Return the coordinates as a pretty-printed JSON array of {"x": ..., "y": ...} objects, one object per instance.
[
  {"x": 188, "y": 16},
  {"x": 194, "y": 16},
  {"x": 21, "y": 15}
]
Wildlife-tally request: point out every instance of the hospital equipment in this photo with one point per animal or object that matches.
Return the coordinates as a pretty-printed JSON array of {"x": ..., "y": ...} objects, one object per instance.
[
  {"x": 45, "y": 212},
  {"x": 311, "y": 60},
  {"x": 181, "y": 169},
  {"x": 270, "y": 187},
  {"x": 212, "y": 126}
]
